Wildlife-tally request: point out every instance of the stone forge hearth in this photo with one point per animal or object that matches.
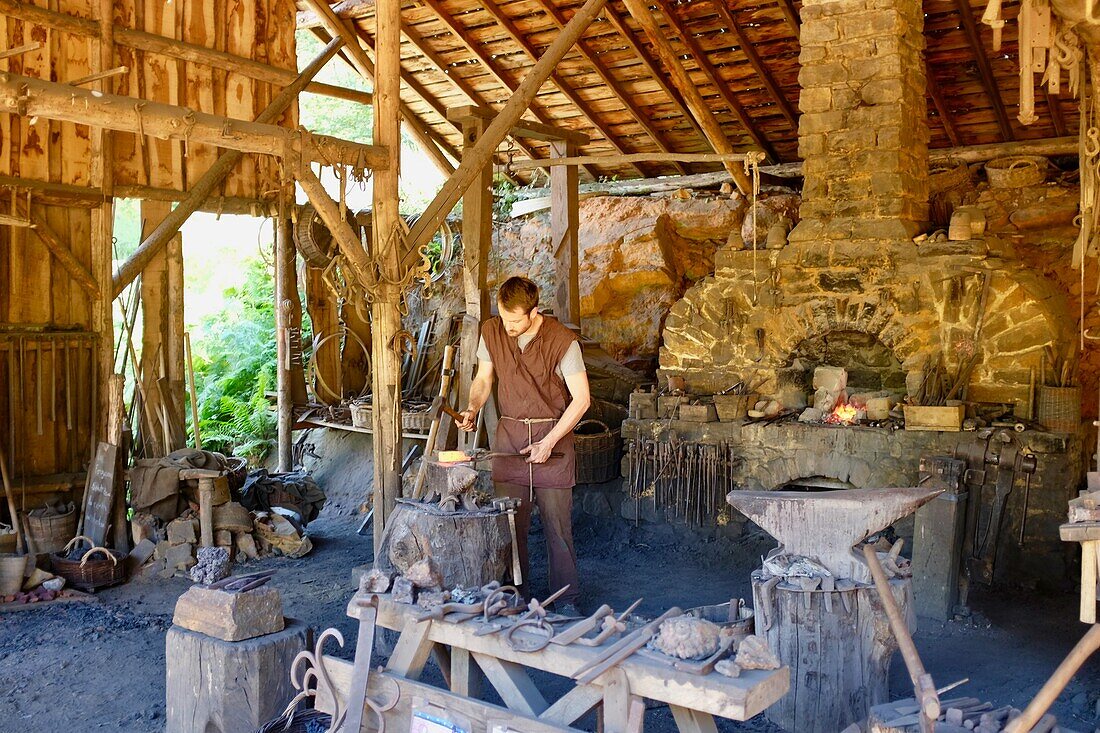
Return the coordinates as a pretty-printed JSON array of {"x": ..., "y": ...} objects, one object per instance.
[{"x": 852, "y": 289}]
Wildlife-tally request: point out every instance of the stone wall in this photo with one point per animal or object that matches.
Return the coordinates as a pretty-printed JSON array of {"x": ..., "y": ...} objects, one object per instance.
[{"x": 862, "y": 134}]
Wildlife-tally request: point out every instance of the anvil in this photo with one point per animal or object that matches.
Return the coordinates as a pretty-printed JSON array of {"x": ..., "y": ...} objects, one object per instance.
[{"x": 826, "y": 525}]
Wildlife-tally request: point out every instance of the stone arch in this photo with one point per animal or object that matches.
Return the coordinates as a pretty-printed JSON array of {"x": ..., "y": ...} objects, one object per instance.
[{"x": 838, "y": 464}]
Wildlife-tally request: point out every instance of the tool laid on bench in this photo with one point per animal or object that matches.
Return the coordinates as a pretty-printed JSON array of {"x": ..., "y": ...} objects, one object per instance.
[
  {"x": 582, "y": 627},
  {"x": 534, "y": 608},
  {"x": 612, "y": 626},
  {"x": 624, "y": 648}
]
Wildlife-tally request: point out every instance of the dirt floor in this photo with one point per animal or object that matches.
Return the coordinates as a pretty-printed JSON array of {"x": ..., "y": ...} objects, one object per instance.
[{"x": 100, "y": 665}]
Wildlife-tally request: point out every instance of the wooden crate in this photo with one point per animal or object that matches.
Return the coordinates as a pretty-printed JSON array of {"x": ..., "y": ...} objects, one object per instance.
[
  {"x": 698, "y": 413},
  {"x": 925, "y": 417}
]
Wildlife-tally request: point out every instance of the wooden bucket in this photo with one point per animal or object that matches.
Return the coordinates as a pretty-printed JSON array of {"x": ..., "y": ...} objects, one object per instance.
[{"x": 50, "y": 532}]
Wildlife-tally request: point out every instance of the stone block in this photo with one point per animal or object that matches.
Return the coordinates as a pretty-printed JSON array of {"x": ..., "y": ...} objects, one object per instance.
[
  {"x": 162, "y": 549},
  {"x": 182, "y": 530},
  {"x": 180, "y": 557},
  {"x": 817, "y": 32},
  {"x": 223, "y": 538},
  {"x": 230, "y": 616}
]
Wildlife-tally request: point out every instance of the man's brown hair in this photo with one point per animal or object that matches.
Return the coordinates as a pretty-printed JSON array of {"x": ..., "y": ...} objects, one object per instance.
[{"x": 518, "y": 293}]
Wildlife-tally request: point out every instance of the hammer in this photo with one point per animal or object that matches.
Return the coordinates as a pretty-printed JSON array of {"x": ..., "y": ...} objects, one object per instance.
[{"x": 440, "y": 408}]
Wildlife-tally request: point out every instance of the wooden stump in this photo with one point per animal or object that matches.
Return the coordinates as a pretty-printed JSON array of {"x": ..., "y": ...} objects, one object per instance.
[
  {"x": 839, "y": 659},
  {"x": 216, "y": 686},
  {"x": 470, "y": 549}
]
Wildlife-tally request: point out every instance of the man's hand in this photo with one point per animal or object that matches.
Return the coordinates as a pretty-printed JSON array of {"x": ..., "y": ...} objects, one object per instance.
[
  {"x": 469, "y": 420},
  {"x": 538, "y": 452}
]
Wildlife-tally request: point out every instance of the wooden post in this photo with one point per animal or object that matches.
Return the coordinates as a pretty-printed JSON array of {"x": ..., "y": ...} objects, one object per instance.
[
  {"x": 284, "y": 276},
  {"x": 214, "y": 176},
  {"x": 102, "y": 221},
  {"x": 477, "y": 238},
  {"x": 692, "y": 96},
  {"x": 564, "y": 220},
  {"x": 517, "y": 104},
  {"x": 388, "y": 250}
]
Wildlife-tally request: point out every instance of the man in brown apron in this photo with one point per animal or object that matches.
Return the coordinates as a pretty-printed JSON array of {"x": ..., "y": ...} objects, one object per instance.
[{"x": 542, "y": 393}]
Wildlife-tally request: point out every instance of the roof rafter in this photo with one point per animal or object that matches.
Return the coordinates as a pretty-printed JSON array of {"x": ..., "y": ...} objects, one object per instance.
[
  {"x": 346, "y": 10},
  {"x": 510, "y": 28},
  {"x": 789, "y": 13},
  {"x": 966, "y": 15},
  {"x": 463, "y": 86},
  {"x": 654, "y": 70},
  {"x": 746, "y": 47},
  {"x": 613, "y": 84},
  {"x": 942, "y": 107},
  {"x": 491, "y": 66},
  {"x": 712, "y": 76},
  {"x": 1056, "y": 117}
]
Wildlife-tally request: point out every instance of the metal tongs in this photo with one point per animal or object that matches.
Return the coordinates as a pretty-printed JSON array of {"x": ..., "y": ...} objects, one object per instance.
[{"x": 241, "y": 583}]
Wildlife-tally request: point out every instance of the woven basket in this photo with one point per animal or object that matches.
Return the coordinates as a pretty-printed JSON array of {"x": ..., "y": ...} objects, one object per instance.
[
  {"x": 416, "y": 420},
  {"x": 361, "y": 414},
  {"x": 298, "y": 722},
  {"x": 599, "y": 449},
  {"x": 948, "y": 174},
  {"x": 51, "y": 532},
  {"x": 1016, "y": 171},
  {"x": 1060, "y": 408},
  {"x": 97, "y": 568}
]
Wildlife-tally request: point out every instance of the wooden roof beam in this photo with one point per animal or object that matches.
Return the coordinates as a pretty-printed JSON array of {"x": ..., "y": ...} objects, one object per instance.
[
  {"x": 523, "y": 128},
  {"x": 25, "y": 96},
  {"x": 756, "y": 62},
  {"x": 942, "y": 108},
  {"x": 641, "y": 117},
  {"x": 1056, "y": 117},
  {"x": 490, "y": 65},
  {"x": 563, "y": 86},
  {"x": 152, "y": 43},
  {"x": 711, "y": 74},
  {"x": 365, "y": 67},
  {"x": 989, "y": 82},
  {"x": 639, "y": 9},
  {"x": 651, "y": 66},
  {"x": 463, "y": 86},
  {"x": 791, "y": 16},
  {"x": 477, "y": 157},
  {"x": 346, "y": 10}
]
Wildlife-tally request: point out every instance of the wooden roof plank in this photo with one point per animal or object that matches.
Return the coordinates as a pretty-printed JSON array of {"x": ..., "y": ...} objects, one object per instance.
[
  {"x": 966, "y": 16},
  {"x": 472, "y": 94},
  {"x": 942, "y": 109},
  {"x": 460, "y": 32},
  {"x": 712, "y": 77},
  {"x": 757, "y": 63},
  {"x": 791, "y": 16},
  {"x": 613, "y": 84},
  {"x": 651, "y": 66},
  {"x": 566, "y": 89}
]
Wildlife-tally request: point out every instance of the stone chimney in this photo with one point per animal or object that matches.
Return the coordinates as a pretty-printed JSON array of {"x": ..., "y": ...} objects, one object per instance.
[{"x": 862, "y": 135}]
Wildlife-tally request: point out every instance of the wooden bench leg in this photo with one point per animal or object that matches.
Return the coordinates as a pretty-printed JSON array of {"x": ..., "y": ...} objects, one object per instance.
[{"x": 1088, "y": 580}]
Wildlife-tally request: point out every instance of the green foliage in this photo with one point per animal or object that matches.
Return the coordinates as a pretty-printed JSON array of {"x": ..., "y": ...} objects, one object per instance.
[
  {"x": 327, "y": 115},
  {"x": 504, "y": 195},
  {"x": 236, "y": 367}
]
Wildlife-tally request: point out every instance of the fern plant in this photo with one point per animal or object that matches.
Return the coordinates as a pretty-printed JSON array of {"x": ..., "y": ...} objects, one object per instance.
[{"x": 235, "y": 368}]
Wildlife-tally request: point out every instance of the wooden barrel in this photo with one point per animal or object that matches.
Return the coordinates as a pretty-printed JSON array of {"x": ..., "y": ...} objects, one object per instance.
[
  {"x": 470, "y": 549},
  {"x": 839, "y": 655}
]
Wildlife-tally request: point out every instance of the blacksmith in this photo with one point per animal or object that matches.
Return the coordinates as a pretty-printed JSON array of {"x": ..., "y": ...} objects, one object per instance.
[{"x": 542, "y": 393}]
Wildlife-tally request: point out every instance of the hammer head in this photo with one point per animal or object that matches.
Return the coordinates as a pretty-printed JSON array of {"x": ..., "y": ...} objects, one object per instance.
[{"x": 440, "y": 408}]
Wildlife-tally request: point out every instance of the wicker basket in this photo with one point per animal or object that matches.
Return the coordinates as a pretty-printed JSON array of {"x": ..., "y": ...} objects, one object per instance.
[
  {"x": 97, "y": 568},
  {"x": 1060, "y": 408},
  {"x": 50, "y": 532},
  {"x": 421, "y": 421},
  {"x": 1016, "y": 171},
  {"x": 361, "y": 414},
  {"x": 598, "y": 453},
  {"x": 948, "y": 174}
]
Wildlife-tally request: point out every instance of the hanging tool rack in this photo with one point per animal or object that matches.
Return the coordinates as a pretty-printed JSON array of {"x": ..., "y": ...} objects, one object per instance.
[{"x": 692, "y": 479}]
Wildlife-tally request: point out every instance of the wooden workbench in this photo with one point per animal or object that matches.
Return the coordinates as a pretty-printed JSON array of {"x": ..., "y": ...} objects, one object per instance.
[
  {"x": 1088, "y": 534},
  {"x": 693, "y": 699}
]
